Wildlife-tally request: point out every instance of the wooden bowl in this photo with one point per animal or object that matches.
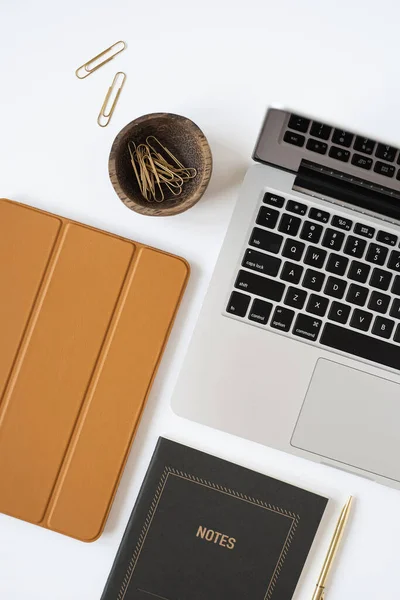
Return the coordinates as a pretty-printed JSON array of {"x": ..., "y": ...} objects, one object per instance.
[{"x": 184, "y": 139}]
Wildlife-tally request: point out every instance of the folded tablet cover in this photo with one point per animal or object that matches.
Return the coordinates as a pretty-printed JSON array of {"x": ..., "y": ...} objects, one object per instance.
[{"x": 84, "y": 318}]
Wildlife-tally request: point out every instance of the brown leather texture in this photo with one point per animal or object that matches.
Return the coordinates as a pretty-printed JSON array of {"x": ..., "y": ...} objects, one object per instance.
[{"x": 84, "y": 319}]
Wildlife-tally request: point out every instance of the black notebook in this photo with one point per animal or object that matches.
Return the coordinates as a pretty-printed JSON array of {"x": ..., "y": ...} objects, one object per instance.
[{"x": 206, "y": 529}]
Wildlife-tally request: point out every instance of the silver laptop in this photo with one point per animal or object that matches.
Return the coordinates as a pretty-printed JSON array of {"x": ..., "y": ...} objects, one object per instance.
[{"x": 298, "y": 342}]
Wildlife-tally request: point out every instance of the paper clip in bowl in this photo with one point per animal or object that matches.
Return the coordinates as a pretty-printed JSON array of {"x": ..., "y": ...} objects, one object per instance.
[
  {"x": 91, "y": 65},
  {"x": 109, "y": 104}
]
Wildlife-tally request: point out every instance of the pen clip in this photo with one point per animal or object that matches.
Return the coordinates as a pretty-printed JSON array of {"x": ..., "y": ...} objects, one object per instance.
[
  {"x": 106, "y": 112},
  {"x": 90, "y": 66}
]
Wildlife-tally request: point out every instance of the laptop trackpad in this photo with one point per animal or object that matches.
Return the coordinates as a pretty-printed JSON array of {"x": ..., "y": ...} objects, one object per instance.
[{"x": 351, "y": 417}]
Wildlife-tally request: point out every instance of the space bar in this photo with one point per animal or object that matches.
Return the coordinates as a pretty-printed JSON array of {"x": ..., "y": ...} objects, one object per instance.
[{"x": 361, "y": 345}]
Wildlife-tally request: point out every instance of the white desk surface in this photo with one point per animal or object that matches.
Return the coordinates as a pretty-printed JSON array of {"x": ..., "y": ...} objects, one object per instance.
[{"x": 219, "y": 63}]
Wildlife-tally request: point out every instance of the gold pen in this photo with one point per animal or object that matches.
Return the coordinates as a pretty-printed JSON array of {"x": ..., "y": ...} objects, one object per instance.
[{"x": 331, "y": 554}]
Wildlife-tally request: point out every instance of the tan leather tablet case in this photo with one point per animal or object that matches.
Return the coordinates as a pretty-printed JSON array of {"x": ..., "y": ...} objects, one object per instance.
[{"x": 84, "y": 318}]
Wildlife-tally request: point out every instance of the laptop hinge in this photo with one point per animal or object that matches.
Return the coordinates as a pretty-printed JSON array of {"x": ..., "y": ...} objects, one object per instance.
[{"x": 360, "y": 194}]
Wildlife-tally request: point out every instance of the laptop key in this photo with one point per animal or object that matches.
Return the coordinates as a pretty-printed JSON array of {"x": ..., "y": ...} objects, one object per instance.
[
  {"x": 383, "y": 327},
  {"x": 294, "y": 138},
  {"x": 380, "y": 279},
  {"x": 293, "y": 249},
  {"x": 266, "y": 240},
  {"x": 295, "y": 297},
  {"x": 396, "y": 336},
  {"x": 386, "y": 152},
  {"x": 355, "y": 246},
  {"x": 311, "y": 232},
  {"x": 289, "y": 225},
  {"x": 238, "y": 304},
  {"x": 364, "y": 162},
  {"x": 339, "y": 312},
  {"x": 361, "y": 319},
  {"x": 361, "y": 345},
  {"x": 259, "y": 285},
  {"x": 364, "y": 145},
  {"x": 358, "y": 271},
  {"x": 377, "y": 254},
  {"x": 320, "y": 130},
  {"x": 344, "y": 138},
  {"x": 299, "y": 123},
  {"x": 337, "y": 264},
  {"x": 386, "y": 238},
  {"x": 396, "y": 286},
  {"x": 291, "y": 272},
  {"x": 339, "y": 154},
  {"x": 315, "y": 257},
  {"x": 395, "y": 309},
  {"x": 333, "y": 239},
  {"x": 267, "y": 217},
  {"x": 273, "y": 200},
  {"x": 260, "y": 311},
  {"x": 335, "y": 287},
  {"x": 394, "y": 261},
  {"x": 357, "y": 294},
  {"x": 263, "y": 263},
  {"x": 296, "y": 207},
  {"x": 319, "y": 215},
  {"x": 384, "y": 169},
  {"x": 307, "y": 327},
  {"x": 317, "y": 146},
  {"x": 364, "y": 230},
  {"x": 282, "y": 318},
  {"x": 317, "y": 305},
  {"x": 341, "y": 223},
  {"x": 313, "y": 280},
  {"x": 379, "y": 302}
]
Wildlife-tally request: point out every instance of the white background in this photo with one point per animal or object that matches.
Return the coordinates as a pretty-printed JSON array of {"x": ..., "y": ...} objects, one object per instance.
[{"x": 219, "y": 63}]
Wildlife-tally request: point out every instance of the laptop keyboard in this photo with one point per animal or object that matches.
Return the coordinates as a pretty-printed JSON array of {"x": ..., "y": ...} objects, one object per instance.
[
  {"x": 323, "y": 278},
  {"x": 343, "y": 146}
]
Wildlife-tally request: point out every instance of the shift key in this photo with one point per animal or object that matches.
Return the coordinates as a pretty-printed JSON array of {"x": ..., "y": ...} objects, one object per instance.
[{"x": 260, "y": 286}]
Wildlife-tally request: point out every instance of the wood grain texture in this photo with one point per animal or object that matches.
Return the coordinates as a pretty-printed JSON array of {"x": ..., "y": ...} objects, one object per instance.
[{"x": 184, "y": 139}]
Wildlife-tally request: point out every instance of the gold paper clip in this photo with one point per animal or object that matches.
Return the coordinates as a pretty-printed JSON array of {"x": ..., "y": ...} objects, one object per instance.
[
  {"x": 106, "y": 112},
  {"x": 90, "y": 67}
]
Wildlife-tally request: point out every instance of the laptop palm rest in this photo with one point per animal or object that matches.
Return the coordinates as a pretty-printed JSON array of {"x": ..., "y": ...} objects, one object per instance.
[{"x": 351, "y": 417}]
